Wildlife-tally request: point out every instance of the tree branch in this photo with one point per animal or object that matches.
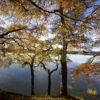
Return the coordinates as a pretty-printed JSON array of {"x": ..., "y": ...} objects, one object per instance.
[
  {"x": 11, "y": 31},
  {"x": 56, "y": 11},
  {"x": 44, "y": 10},
  {"x": 55, "y": 68},
  {"x": 43, "y": 65}
]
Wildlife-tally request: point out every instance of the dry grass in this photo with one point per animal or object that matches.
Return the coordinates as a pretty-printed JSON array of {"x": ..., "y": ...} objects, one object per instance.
[
  {"x": 13, "y": 96},
  {"x": 32, "y": 98}
]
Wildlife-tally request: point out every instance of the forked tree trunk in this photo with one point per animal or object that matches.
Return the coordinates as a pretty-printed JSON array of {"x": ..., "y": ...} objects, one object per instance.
[{"x": 49, "y": 76}]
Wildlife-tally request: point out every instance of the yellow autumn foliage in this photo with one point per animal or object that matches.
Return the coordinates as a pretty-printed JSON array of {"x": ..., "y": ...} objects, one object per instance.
[
  {"x": 85, "y": 69},
  {"x": 92, "y": 92}
]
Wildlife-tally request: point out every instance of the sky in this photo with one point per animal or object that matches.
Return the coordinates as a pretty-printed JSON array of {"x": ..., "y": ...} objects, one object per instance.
[
  {"x": 33, "y": 22},
  {"x": 91, "y": 8},
  {"x": 82, "y": 58}
]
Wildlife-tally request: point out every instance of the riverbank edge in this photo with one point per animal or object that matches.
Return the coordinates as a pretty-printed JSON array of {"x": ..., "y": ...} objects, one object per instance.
[{"x": 15, "y": 96}]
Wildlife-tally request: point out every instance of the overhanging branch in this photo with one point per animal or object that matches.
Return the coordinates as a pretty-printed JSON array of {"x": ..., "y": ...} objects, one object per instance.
[
  {"x": 11, "y": 31},
  {"x": 56, "y": 11}
]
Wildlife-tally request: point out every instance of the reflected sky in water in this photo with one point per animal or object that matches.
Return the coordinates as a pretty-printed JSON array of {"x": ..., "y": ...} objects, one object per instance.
[{"x": 16, "y": 78}]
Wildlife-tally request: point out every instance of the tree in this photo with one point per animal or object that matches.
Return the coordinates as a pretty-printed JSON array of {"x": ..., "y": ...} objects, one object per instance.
[
  {"x": 26, "y": 50},
  {"x": 66, "y": 31},
  {"x": 68, "y": 15},
  {"x": 50, "y": 72},
  {"x": 86, "y": 69}
]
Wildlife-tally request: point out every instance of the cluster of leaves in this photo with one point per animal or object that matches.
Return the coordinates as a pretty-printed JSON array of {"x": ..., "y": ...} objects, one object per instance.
[
  {"x": 86, "y": 69},
  {"x": 92, "y": 92}
]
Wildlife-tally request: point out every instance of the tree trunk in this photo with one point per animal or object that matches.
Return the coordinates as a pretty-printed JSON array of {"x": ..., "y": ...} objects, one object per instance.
[
  {"x": 64, "y": 91},
  {"x": 49, "y": 83},
  {"x": 32, "y": 79}
]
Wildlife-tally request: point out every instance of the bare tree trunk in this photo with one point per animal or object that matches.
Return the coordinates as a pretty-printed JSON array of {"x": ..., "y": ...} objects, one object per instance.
[
  {"x": 32, "y": 78},
  {"x": 49, "y": 83},
  {"x": 64, "y": 91},
  {"x": 49, "y": 75}
]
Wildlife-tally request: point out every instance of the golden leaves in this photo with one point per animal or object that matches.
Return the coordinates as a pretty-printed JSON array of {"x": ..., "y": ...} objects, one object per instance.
[
  {"x": 64, "y": 3},
  {"x": 17, "y": 9},
  {"x": 60, "y": 28},
  {"x": 73, "y": 4},
  {"x": 85, "y": 69},
  {"x": 15, "y": 26},
  {"x": 36, "y": 13},
  {"x": 56, "y": 52},
  {"x": 42, "y": 27},
  {"x": 92, "y": 92},
  {"x": 23, "y": 58},
  {"x": 70, "y": 47},
  {"x": 7, "y": 60},
  {"x": 22, "y": 1},
  {"x": 75, "y": 74},
  {"x": 11, "y": 47}
]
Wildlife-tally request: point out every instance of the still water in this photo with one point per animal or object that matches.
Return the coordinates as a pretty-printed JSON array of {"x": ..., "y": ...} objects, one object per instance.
[{"x": 17, "y": 79}]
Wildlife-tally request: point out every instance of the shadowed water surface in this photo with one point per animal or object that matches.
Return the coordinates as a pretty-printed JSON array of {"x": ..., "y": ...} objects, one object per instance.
[{"x": 16, "y": 78}]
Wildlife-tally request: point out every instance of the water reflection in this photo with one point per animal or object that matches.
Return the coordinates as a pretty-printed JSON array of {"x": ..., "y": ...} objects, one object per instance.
[{"x": 16, "y": 78}]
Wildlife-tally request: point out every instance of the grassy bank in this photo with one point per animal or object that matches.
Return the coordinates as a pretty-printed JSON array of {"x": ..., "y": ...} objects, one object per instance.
[{"x": 12, "y": 96}]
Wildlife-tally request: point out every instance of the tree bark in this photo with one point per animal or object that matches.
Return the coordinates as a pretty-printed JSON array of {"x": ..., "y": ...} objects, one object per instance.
[
  {"x": 32, "y": 78},
  {"x": 64, "y": 91},
  {"x": 49, "y": 76},
  {"x": 49, "y": 83}
]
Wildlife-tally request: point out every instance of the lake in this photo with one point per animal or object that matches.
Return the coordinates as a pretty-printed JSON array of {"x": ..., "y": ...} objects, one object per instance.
[{"x": 17, "y": 79}]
